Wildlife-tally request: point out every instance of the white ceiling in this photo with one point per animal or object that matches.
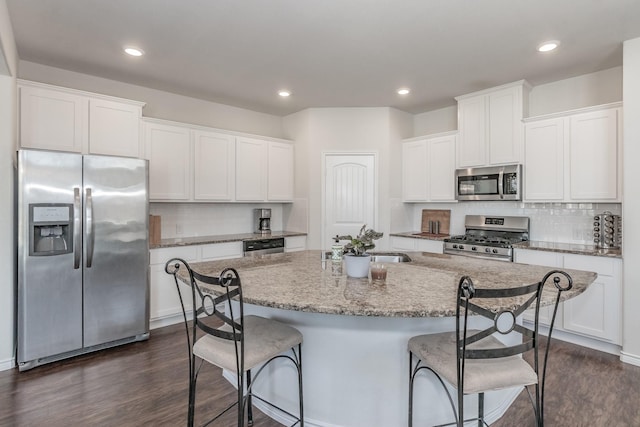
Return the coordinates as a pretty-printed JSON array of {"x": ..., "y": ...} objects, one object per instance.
[{"x": 329, "y": 53}]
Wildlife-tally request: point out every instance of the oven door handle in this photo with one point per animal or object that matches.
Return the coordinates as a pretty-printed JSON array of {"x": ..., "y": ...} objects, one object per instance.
[{"x": 501, "y": 183}]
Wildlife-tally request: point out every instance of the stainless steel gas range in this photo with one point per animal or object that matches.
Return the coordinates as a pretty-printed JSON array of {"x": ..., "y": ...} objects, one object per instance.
[{"x": 490, "y": 237}]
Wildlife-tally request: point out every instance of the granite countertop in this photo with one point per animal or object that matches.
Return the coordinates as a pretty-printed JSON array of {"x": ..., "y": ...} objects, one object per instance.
[
  {"x": 420, "y": 235},
  {"x": 224, "y": 238},
  {"x": 570, "y": 248},
  {"x": 425, "y": 287}
]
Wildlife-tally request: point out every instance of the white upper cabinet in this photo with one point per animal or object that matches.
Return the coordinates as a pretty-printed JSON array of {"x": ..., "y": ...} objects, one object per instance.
[
  {"x": 168, "y": 149},
  {"x": 280, "y": 170},
  {"x": 490, "y": 125},
  {"x": 114, "y": 128},
  {"x": 594, "y": 155},
  {"x": 251, "y": 170},
  {"x": 61, "y": 119},
  {"x": 189, "y": 163},
  {"x": 428, "y": 168},
  {"x": 544, "y": 160},
  {"x": 574, "y": 156},
  {"x": 264, "y": 170},
  {"x": 214, "y": 166}
]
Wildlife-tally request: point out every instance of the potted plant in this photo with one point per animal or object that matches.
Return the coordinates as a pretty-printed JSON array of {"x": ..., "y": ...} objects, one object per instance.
[{"x": 356, "y": 258}]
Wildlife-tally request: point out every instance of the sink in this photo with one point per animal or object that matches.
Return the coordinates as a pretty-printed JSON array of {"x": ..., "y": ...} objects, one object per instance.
[{"x": 389, "y": 257}]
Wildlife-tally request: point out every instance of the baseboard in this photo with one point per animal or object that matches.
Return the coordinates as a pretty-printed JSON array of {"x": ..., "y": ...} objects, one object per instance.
[
  {"x": 632, "y": 359},
  {"x": 160, "y": 322},
  {"x": 7, "y": 364}
]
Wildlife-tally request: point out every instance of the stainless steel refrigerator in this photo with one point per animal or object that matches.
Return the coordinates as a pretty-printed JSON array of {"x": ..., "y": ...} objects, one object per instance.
[{"x": 83, "y": 254}]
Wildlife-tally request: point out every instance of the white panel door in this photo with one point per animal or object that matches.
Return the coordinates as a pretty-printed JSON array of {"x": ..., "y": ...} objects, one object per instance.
[
  {"x": 472, "y": 125},
  {"x": 280, "y": 173},
  {"x": 213, "y": 166},
  {"x": 544, "y": 160},
  {"x": 415, "y": 174},
  {"x": 350, "y": 192},
  {"x": 168, "y": 149},
  {"x": 505, "y": 126},
  {"x": 441, "y": 168},
  {"x": 114, "y": 128},
  {"x": 52, "y": 120},
  {"x": 251, "y": 170},
  {"x": 594, "y": 155}
]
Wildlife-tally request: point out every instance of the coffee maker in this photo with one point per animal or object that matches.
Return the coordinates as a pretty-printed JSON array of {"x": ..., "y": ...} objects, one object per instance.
[{"x": 262, "y": 220}]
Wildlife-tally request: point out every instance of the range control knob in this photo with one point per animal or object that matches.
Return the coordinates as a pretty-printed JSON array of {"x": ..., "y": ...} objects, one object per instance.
[
  {"x": 488, "y": 249},
  {"x": 495, "y": 251},
  {"x": 455, "y": 246},
  {"x": 461, "y": 247},
  {"x": 473, "y": 248}
]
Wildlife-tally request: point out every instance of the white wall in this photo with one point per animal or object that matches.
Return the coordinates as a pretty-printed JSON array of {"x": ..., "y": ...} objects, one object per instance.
[
  {"x": 322, "y": 130},
  {"x": 161, "y": 105},
  {"x": 631, "y": 208},
  {"x": 597, "y": 88},
  {"x": 7, "y": 158}
]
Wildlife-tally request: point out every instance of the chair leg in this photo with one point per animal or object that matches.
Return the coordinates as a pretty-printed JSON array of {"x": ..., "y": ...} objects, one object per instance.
[
  {"x": 300, "y": 398},
  {"x": 410, "y": 424},
  {"x": 192, "y": 393},
  {"x": 481, "y": 410},
  {"x": 249, "y": 403}
]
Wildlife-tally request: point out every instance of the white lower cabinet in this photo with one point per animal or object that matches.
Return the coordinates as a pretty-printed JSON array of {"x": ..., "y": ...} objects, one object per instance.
[
  {"x": 164, "y": 304},
  {"x": 594, "y": 314},
  {"x": 295, "y": 243},
  {"x": 411, "y": 244}
]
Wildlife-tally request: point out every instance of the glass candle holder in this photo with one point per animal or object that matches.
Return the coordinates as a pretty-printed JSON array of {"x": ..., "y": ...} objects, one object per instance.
[{"x": 378, "y": 272}]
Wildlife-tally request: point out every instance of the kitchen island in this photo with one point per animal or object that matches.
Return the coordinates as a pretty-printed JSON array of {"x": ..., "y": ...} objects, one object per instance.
[{"x": 356, "y": 330}]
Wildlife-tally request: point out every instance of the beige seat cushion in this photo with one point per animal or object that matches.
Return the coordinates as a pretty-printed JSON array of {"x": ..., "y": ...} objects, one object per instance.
[
  {"x": 264, "y": 338},
  {"x": 438, "y": 351}
]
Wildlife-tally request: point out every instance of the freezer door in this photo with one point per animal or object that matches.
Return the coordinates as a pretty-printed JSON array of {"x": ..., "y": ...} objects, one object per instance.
[
  {"x": 49, "y": 308},
  {"x": 116, "y": 249}
]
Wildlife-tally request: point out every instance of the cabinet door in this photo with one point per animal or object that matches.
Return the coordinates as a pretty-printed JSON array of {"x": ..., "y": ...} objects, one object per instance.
[
  {"x": 168, "y": 149},
  {"x": 213, "y": 166},
  {"x": 251, "y": 164},
  {"x": 52, "y": 120},
  {"x": 504, "y": 123},
  {"x": 596, "y": 312},
  {"x": 472, "y": 128},
  {"x": 594, "y": 155},
  {"x": 295, "y": 243},
  {"x": 415, "y": 173},
  {"x": 547, "y": 259},
  {"x": 164, "y": 301},
  {"x": 280, "y": 172},
  {"x": 431, "y": 246},
  {"x": 403, "y": 243},
  {"x": 441, "y": 168},
  {"x": 114, "y": 128},
  {"x": 544, "y": 160}
]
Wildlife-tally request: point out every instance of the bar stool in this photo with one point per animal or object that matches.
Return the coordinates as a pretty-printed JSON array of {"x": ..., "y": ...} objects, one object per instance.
[
  {"x": 241, "y": 345},
  {"x": 475, "y": 361}
]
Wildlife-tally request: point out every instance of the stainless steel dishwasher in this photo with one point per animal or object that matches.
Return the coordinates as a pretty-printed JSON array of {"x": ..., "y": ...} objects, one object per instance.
[{"x": 271, "y": 245}]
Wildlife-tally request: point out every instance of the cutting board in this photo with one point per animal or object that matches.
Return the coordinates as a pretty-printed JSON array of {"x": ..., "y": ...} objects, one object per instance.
[
  {"x": 154, "y": 230},
  {"x": 442, "y": 215}
]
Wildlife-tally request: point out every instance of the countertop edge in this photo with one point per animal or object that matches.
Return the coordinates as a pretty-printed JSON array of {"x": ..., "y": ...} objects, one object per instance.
[{"x": 224, "y": 238}]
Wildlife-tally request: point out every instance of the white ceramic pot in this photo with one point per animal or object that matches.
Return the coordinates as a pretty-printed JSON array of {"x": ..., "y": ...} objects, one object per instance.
[{"x": 357, "y": 266}]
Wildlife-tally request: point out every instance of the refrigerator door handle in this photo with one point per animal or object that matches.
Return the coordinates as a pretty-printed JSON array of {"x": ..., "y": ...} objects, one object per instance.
[
  {"x": 77, "y": 235},
  {"x": 89, "y": 227}
]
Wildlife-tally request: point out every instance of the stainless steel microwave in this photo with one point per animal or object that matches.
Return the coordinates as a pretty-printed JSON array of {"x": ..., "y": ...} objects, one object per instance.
[{"x": 489, "y": 183}]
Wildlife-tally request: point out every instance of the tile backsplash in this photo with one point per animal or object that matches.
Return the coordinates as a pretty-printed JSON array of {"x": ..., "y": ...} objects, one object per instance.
[{"x": 549, "y": 222}]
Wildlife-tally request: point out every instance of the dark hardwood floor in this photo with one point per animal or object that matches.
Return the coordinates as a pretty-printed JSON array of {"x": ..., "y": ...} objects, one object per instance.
[{"x": 145, "y": 384}]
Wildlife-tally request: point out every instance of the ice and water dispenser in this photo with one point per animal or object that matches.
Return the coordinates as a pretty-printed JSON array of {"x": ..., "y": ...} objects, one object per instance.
[{"x": 50, "y": 229}]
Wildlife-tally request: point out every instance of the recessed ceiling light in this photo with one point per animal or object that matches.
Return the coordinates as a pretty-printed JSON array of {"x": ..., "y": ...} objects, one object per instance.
[
  {"x": 548, "y": 46},
  {"x": 284, "y": 93},
  {"x": 134, "y": 51},
  {"x": 403, "y": 91}
]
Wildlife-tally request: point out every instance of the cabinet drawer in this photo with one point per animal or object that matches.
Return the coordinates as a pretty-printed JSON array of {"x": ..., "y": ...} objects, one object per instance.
[
  {"x": 221, "y": 251},
  {"x": 601, "y": 265},
  {"x": 162, "y": 255}
]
